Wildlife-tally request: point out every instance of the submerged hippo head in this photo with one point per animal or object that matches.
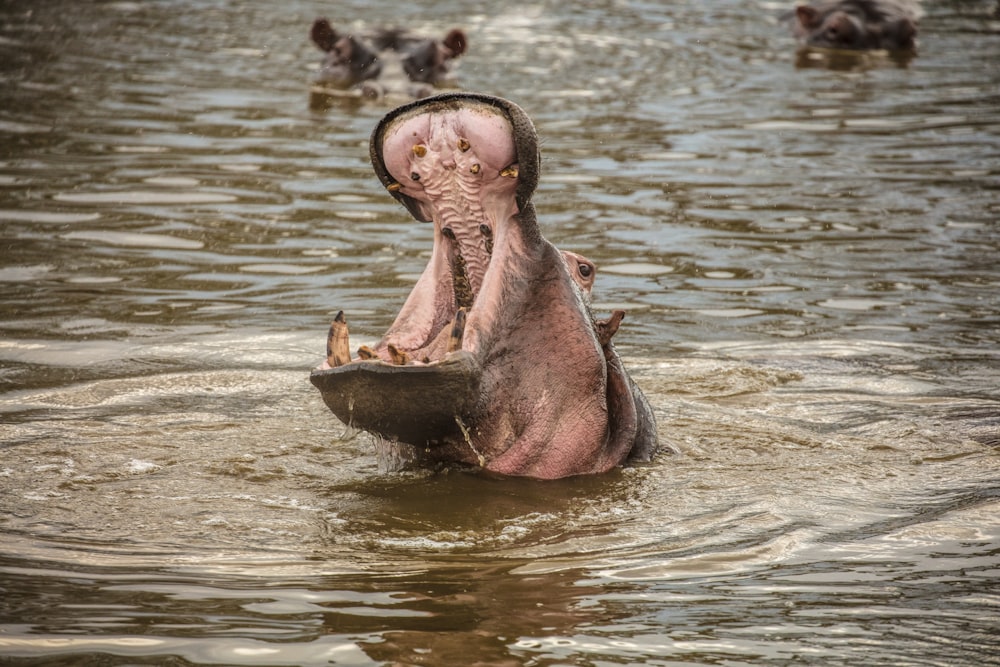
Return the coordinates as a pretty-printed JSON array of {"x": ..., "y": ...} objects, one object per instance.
[
  {"x": 889, "y": 25},
  {"x": 386, "y": 60},
  {"x": 348, "y": 61},
  {"x": 495, "y": 359},
  {"x": 429, "y": 61}
]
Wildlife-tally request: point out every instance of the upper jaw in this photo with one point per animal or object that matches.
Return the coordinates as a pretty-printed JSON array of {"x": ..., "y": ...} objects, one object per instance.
[
  {"x": 455, "y": 160},
  {"x": 522, "y": 132},
  {"x": 468, "y": 163},
  {"x": 459, "y": 169}
]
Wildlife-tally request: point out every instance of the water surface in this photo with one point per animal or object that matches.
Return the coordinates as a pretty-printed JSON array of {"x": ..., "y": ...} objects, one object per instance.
[{"x": 807, "y": 257}]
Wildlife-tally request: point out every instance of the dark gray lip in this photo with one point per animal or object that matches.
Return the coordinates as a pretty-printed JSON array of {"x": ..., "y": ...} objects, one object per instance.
[{"x": 419, "y": 404}]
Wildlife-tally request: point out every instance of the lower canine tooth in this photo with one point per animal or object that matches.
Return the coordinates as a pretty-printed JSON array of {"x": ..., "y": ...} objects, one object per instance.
[
  {"x": 338, "y": 347},
  {"x": 509, "y": 172},
  {"x": 365, "y": 352}
]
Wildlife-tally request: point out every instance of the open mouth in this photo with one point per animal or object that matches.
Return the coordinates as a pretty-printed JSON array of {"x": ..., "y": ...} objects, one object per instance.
[
  {"x": 456, "y": 161},
  {"x": 495, "y": 358}
]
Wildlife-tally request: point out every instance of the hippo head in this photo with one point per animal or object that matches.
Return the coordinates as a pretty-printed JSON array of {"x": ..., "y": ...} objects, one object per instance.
[
  {"x": 857, "y": 25},
  {"x": 348, "y": 61},
  {"x": 429, "y": 61},
  {"x": 495, "y": 359}
]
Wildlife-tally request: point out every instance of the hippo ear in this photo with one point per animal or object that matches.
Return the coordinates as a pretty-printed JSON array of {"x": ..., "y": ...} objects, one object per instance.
[
  {"x": 808, "y": 17},
  {"x": 323, "y": 34},
  {"x": 456, "y": 42}
]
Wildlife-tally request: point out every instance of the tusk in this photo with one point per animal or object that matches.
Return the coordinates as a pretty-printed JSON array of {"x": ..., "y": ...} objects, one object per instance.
[
  {"x": 457, "y": 331},
  {"x": 338, "y": 346},
  {"x": 365, "y": 353}
]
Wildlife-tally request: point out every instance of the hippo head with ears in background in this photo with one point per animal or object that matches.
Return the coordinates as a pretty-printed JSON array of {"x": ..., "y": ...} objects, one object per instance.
[
  {"x": 495, "y": 359},
  {"x": 385, "y": 62},
  {"x": 857, "y": 25}
]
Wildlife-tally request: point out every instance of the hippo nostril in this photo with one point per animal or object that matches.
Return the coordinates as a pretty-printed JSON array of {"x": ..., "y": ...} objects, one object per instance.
[
  {"x": 485, "y": 230},
  {"x": 415, "y": 176},
  {"x": 448, "y": 233}
]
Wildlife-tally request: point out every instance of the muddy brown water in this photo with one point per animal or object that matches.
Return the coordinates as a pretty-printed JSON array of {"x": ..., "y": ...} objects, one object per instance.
[{"x": 808, "y": 258}]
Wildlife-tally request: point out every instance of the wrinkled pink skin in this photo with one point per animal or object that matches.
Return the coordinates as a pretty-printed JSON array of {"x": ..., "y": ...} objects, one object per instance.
[
  {"x": 553, "y": 400},
  {"x": 454, "y": 198}
]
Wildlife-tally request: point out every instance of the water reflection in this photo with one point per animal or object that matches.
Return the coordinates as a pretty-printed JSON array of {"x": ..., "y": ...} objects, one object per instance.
[
  {"x": 851, "y": 61},
  {"x": 807, "y": 257}
]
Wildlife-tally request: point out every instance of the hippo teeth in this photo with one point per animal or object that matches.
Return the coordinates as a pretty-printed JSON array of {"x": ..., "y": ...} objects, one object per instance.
[
  {"x": 338, "y": 346},
  {"x": 338, "y": 343},
  {"x": 398, "y": 357},
  {"x": 457, "y": 331}
]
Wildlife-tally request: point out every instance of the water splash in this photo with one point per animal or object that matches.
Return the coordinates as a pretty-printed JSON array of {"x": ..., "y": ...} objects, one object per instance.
[{"x": 393, "y": 455}]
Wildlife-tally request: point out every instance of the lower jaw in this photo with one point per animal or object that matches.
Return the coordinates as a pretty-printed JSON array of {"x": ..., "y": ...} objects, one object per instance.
[{"x": 421, "y": 404}]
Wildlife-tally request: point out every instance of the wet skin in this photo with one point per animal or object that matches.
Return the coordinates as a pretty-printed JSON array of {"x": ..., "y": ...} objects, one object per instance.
[
  {"x": 495, "y": 359},
  {"x": 889, "y": 25}
]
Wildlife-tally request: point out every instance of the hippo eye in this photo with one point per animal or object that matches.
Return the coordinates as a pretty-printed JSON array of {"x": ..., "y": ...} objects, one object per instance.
[
  {"x": 585, "y": 270},
  {"x": 448, "y": 233},
  {"x": 485, "y": 230}
]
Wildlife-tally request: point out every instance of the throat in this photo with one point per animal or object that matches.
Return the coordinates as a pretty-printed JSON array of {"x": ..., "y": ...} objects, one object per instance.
[{"x": 464, "y": 295}]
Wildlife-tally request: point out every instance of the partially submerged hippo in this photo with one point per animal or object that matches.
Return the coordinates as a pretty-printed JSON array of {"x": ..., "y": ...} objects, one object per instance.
[
  {"x": 889, "y": 25},
  {"x": 390, "y": 61},
  {"x": 495, "y": 359}
]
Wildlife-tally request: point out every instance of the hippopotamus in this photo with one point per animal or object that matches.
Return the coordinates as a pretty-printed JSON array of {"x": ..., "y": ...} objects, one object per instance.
[
  {"x": 389, "y": 61},
  {"x": 857, "y": 25},
  {"x": 496, "y": 359}
]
